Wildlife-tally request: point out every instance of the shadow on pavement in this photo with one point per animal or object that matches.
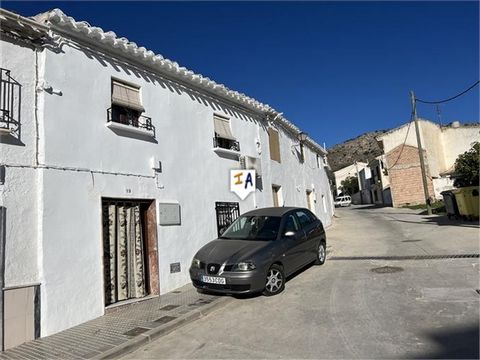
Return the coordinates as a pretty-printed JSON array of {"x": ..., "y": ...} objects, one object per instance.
[
  {"x": 370, "y": 207},
  {"x": 442, "y": 221},
  {"x": 454, "y": 344},
  {"x": 290, "y": 277},
  {"x": 253, "y": 295}
]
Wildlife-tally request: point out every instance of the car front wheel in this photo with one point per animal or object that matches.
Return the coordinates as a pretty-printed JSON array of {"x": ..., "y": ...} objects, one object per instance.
[
  {"x": 321, "y": 254},
  {"x": 275, "y": 282}
]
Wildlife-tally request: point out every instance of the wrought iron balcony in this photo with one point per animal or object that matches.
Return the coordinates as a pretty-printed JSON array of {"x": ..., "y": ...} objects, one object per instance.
[
  {"x": 228, "y": 144},
  {"x": 124, "y": 116},
  {"x": 10, "y": 97}
]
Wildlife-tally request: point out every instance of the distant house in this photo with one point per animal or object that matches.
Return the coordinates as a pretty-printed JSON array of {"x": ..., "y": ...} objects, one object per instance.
[
  {"x": 379, "y": 182},
  {"x": 401, "y": 163},
  {"x": 347, "y": 171}
]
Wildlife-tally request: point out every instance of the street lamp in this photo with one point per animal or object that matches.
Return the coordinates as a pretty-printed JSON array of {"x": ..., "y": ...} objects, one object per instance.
[{"x": 302, "y": 137}]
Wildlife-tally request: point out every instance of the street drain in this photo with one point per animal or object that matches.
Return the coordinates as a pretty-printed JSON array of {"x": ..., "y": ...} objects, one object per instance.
[
  {"x": 386, "y": 269},
  {"x": 478, "y": 291},
  {"x": 411, "y": 240},
  {"x": 135, "y": 331},
  {"x": 164, "y": 319},
  {"x": 169, "y": 307},
  {"x": 407, "y": 257}
]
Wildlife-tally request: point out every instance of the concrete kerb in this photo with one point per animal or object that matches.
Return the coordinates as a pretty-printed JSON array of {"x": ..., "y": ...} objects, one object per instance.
[{"x": 153, "y": 334}]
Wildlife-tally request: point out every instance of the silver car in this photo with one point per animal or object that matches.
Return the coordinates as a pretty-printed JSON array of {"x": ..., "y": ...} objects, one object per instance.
[{"x": 259, "y": 250}]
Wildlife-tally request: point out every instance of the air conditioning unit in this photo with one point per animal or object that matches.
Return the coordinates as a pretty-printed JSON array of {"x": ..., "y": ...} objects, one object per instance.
[{"x": 251, "y": 163}]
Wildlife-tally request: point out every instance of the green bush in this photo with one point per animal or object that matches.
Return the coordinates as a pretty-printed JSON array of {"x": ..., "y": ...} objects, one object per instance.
[{"x": 467, "y": 167}]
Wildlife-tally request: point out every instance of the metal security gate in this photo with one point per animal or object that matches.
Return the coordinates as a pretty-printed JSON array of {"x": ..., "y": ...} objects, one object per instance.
[{"x": 227, "y": 213}]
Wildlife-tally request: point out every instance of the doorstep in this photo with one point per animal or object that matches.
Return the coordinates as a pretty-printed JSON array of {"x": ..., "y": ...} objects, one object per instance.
[{"x": 124, "y": 330}]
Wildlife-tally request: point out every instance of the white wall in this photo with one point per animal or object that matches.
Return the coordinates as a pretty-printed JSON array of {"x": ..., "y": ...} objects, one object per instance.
[
  {"x": 458, "y": 140},
  {"x": 295, "y": 179},
  {"x": 19, "y": 194}
]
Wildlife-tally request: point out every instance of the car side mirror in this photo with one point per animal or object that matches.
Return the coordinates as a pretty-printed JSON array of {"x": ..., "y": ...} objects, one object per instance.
[
  {"x": 221, "y": 231},
  {"x": 289, "y": 234}
]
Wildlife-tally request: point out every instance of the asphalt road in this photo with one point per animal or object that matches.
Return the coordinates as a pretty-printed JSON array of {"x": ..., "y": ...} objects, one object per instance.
[{"x": 428, "y": 309}]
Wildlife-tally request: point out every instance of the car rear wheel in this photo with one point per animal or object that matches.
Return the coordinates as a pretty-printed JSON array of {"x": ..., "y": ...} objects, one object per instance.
[
  {"x": 321, "y": 254},
  {"x": 275, "y": 282}
]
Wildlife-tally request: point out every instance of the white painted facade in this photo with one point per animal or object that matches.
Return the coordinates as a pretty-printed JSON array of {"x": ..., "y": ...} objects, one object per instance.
[{"x": 70, "y": 160}]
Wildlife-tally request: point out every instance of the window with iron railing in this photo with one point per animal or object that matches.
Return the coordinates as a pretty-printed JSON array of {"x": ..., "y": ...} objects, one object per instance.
[
  {"x": 219, "y": 142},
  {"x": 127, "y": 108},
  {"x": 130, "y": 117},
  {"x": 10, "y": 96},
  {"x": 224, "y": 138}
]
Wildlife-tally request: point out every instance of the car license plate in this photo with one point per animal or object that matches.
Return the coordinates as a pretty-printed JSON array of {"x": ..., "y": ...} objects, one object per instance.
[{"x": 213, "y": 280}]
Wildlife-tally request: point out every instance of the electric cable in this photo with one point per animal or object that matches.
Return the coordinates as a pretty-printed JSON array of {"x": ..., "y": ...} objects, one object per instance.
[
  {"x": 449, "y": 99},
  {"x": 403, "y": 145}
]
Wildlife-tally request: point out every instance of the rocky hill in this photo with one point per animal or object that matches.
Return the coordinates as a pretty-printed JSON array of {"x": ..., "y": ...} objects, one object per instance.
[{"x": 363, "y": 148}]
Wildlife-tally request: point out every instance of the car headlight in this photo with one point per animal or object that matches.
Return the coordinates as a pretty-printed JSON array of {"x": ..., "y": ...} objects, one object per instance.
[
  {"x": 195, "y": 263},
  {"x": 244, "y": 266}
]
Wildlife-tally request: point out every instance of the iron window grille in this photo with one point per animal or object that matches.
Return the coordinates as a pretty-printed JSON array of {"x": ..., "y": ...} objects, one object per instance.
[
  {"x": 219, "y": 142},
  {"x": 227, "y": 213},
  {"x": 130, "y": 117}
]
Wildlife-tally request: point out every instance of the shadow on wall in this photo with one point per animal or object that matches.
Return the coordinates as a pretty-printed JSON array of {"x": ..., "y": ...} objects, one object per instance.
[
  {"x": 456, "y": 343},
  {"x": 174, "y": 87},
  {"x": 10, "y": 108}
]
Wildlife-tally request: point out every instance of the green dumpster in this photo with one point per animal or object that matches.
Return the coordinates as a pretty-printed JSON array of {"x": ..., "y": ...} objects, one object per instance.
[{"x": 467, "y": 201}]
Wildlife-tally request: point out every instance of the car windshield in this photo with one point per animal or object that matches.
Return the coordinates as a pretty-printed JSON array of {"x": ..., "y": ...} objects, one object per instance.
[{"x": 253, "y": 228}]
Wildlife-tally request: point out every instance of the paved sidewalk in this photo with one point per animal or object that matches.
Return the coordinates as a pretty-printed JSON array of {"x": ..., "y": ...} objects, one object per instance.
[{"x": 122, "y": 329}]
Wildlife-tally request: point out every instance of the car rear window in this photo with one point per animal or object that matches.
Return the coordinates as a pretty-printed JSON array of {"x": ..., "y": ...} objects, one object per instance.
[
  {"x": 253, "y": 228},
  {"x": 304, "y": 218}
]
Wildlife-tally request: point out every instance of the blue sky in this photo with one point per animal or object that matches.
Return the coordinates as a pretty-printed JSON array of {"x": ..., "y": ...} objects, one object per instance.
[{"x": 336, "y": 69}]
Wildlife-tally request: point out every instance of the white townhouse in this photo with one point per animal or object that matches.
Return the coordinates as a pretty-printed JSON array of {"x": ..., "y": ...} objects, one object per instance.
[{"x": 114, "y": 170}]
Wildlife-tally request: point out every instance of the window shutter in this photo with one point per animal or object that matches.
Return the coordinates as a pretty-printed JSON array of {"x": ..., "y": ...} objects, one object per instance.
[
  {"x": 222, "y": 128},
  {"x": 274, "y": 143},
  {"x": 126, "y": 96}
]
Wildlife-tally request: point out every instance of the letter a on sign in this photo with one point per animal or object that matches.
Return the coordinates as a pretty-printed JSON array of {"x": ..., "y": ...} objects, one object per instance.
[{"x": 242, "y": 182}]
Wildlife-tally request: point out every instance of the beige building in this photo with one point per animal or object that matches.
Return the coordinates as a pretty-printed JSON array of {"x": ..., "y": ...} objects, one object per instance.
[
  {"x": 441, "y": 144},
  {"x": 347, "y": 171}
]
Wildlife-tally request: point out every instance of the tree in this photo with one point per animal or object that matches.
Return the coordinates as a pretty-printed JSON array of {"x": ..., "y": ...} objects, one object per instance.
[
  {"x": 350, "y": 185},
  {"x": 467, "y": 167}
]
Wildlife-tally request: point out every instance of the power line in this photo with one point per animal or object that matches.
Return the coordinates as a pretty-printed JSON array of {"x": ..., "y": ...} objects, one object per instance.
[
  {"x": 449, "y": 99},
  {"x": 403, "y": 145}
]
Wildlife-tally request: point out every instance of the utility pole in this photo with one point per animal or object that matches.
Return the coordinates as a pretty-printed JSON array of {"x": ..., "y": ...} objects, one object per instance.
[{"x": 420, "y": 153}]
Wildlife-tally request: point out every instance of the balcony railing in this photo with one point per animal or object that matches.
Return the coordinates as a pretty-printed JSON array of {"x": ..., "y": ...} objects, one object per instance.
[
  {"x": 130, "y": 118},
  {"x": 10, "y": 95},
  {"x": 228, "y": 144}
]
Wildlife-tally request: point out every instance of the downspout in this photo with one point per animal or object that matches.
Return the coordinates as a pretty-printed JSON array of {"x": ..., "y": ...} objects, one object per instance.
[{"x": 39, "y": 118}]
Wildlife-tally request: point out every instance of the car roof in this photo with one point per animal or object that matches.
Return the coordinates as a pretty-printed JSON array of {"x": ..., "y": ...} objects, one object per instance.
[{"x": 272, "y": 211}]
